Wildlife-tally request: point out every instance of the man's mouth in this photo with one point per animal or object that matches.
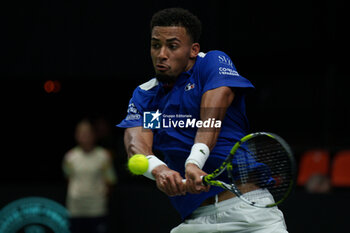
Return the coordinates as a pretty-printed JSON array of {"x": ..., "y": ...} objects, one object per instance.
[{"x": 162, "y": 67}]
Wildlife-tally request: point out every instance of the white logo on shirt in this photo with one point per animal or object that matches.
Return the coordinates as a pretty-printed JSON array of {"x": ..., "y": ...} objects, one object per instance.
[
  {"x": 226, "y": 61},
  {"x": 133, "y": 113},
  {"x": 189, "y": 86},
  {"x": 227, "y": 71}
]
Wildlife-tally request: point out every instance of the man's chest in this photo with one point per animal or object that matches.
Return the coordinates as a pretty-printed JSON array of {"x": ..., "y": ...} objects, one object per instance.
[{"x": 182, "y": 99}]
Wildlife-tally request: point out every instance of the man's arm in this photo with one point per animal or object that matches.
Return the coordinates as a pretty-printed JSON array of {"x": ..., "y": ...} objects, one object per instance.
[
  {"x": 214, "y": 104},
  {"x": 138, "y": 140}
]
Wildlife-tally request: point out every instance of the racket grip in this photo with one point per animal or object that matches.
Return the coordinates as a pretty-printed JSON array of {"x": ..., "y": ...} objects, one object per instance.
[{"x": 184, "y": 180}]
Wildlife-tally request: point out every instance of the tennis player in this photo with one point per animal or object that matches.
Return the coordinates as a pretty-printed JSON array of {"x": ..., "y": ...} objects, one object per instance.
[{"x": 192, "y": 112}]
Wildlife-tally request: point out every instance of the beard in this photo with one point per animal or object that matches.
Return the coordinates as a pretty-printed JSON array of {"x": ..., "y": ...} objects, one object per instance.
[{"x": 163, "y": 78}]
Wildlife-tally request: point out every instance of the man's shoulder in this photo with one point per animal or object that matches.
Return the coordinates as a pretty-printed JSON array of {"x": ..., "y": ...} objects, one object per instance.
[
  {"x": 212, "y": 53},
  {"x": 149, "y": 85},
  {"x": 213, "y": 57},
  {"x": 148, "y": 88},
  {"x": 144, "y": 94}
]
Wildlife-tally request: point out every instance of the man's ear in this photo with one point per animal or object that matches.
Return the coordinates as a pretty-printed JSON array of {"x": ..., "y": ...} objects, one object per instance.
[{"x": 195, "y": 50}]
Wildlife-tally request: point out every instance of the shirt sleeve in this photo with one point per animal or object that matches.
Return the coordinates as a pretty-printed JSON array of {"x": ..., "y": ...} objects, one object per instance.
[
  {"x": 142, "y": 100},
  {"x": 218, "y": 70},
  {"x": 67, "y": 166},
  {"x": 133, "y": 117}
]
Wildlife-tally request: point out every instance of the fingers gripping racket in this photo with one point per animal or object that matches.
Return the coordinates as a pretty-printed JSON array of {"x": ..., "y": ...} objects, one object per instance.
[{"x": 260, "y": 168}]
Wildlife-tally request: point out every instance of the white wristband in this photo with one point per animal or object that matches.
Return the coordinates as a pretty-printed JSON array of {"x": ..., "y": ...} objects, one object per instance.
[
  {"x": 153, "y": 162},
  {"x": 199, "y": 155}
]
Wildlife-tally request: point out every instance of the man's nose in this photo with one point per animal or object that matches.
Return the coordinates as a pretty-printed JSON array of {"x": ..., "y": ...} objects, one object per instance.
[{"x": 162, "y": 55}]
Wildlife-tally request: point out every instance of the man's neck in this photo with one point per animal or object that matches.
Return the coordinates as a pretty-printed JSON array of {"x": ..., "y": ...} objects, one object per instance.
[
  {"x": 190, "y": 64},
  {"x": 168, "y": 87}
]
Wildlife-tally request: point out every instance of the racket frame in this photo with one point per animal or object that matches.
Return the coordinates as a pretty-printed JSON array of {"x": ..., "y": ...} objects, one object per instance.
[{"x": 227, "y": 165}]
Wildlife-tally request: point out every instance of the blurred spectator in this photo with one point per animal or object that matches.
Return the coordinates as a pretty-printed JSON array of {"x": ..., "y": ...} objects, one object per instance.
[
  {"x": 90, "y": 173},
  {"x": 104, "y": 133},
  {"x": 108, "y": 137},
  {"x": 318, "y": 183}
]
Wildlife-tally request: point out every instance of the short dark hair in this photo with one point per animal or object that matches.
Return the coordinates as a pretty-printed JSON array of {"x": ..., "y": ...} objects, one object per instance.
[{"x": 178, "y": 17}]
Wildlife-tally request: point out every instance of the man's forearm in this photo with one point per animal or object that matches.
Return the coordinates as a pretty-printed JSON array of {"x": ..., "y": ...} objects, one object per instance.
[
  {"x": 138, "y": 141},
  {"x": 213, "y": 105}
]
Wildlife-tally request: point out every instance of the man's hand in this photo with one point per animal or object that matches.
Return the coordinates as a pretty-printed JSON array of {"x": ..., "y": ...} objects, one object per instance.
[
  {"x": 194, "y": 180},
  {"x": 169, "y": 181}
]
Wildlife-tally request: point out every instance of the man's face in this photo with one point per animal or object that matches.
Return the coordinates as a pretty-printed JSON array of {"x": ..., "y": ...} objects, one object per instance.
[{"x": 172, "y": 52}]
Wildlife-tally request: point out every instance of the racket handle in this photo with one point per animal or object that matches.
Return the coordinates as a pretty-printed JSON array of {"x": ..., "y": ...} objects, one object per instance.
[{"x": 184, "y": 180}]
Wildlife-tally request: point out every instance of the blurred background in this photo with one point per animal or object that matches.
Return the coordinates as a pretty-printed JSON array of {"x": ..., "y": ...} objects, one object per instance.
[{"x": 62, "y": 61}]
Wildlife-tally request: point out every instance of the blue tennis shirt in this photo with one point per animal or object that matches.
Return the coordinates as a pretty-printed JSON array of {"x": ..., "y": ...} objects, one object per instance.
[{"x": 173, "y": 117}]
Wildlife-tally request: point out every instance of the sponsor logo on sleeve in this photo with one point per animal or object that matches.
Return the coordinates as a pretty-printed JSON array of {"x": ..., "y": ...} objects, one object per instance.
[
  {"x": 227, "y": 68},
  {"x": 133, "y": 113},
  {"x": 227, "y": 71},
  {"x": 225, "y": 61}
]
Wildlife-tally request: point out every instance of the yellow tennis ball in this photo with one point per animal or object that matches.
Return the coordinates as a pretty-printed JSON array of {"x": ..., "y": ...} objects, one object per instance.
[{"x": 138, "y": 164}]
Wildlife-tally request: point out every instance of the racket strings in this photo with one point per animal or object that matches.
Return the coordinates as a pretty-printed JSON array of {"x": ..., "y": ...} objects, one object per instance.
[{"x": 263, "y": 163}]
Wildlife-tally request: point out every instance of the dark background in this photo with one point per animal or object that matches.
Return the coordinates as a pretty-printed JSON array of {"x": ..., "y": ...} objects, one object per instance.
[{"x": 295, "y": 53}]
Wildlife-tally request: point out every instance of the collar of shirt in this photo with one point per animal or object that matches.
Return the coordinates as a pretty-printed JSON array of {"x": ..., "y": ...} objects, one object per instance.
[{"x": 181, "y": 79}]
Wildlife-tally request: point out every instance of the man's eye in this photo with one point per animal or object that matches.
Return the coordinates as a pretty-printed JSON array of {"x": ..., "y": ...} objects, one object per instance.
[
  {"x": 173, "y": 46},
  {"x": 155, "y": 46}
]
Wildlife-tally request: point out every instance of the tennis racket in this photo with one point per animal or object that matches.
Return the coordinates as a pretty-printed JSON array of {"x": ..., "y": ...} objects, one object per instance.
[{"x": 260, "y": 168}]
